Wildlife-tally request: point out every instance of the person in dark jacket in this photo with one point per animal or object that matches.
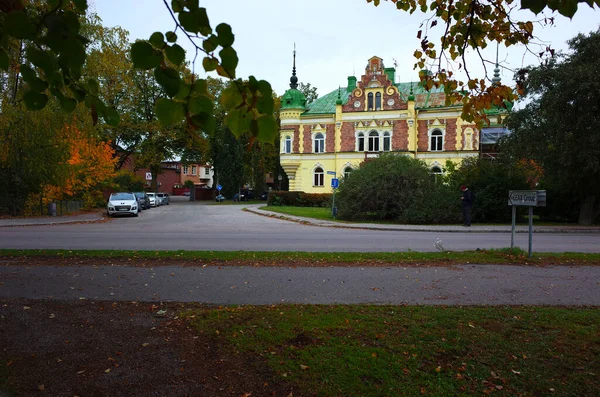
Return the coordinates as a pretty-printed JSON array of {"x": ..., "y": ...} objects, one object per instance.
[{"x": 468, "y": 198}]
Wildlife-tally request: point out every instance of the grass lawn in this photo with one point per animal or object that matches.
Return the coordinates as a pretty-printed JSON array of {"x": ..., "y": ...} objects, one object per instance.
[
  {"x": 414, "y": 351},
  {"x": 325, "y": 214}
]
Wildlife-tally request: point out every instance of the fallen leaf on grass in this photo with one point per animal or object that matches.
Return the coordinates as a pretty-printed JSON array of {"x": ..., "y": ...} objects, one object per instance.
[
  {"x": 41, "y": 388},
  {"x": 145, "y": 344},
  {"x": 26, "y": 308},
  {"x": 515, "y": 372},
  {"x": 107, "y": 370},
  {"x": 302, "y": 366}
]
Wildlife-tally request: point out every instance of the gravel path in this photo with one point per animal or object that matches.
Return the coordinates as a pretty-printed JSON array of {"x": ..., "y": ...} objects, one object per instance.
[{"x": 456, "y": 285}]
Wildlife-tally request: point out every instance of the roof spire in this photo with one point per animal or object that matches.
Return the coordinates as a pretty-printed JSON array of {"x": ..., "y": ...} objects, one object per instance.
[
  {"x": 496, "y": 79},
  {"x": 339, "y": 97},
  {"x": 294, "y": 79}
]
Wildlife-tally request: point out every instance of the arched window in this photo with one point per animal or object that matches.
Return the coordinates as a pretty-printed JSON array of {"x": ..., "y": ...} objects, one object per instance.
[
  {"x": 436, "y": 170},
  {"x": 370, "y": 101},
  {"x": 387, "y": 142},
  {"x": 288, "y": 144},
  {"x": 319, "y": 143},
  {"x": 318, "y": 177},
  {"x": 373, "y": 141},
  {"x": 361, "y": 142},
  {"x": 347, "y": 171},
  {"x": 436, "y": 141},
  {"x": 378, "y": 101}
]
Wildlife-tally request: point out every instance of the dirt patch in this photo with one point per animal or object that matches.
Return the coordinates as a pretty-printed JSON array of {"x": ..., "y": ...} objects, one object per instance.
[
  {"x": 87, "y": 348},
  {"x": 158, "y": 262}
]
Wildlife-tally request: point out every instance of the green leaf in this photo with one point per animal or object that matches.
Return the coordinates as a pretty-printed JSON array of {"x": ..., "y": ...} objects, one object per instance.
[
  {"x": 200, "y": 14},
  {"x": 209, "y": 64},
  {"x": 27, "y": 73},
  {"x": 111, "y": 116},
  {"x": 192, "y": 4},
  {"x": 226, "y": 37},
  {"x": 93, "y": 86},
  {"x": 184, "y": 91},
  {"x": 38, "y": 84},
  {"x": 169, "y": 112},
  {"x": 34, "y": 100},
  {"x": 200, "y": 104},
  {"x": 568, "y": 8},
  {"x": 175, "y": 54},
  {"x": 81, "y": 5},
  {"x": 4, "y": 62},
  {"x": 205, "y": 121},
  {"x": 195, "y": 21},
  {"x": 229, "y": 61},
  {"x": 210, "y": 44},
  {"x": 536, "y": 6},
  {"x": 144, "y": 56},
  {"x": 18, "y": 25},
  {"x": 231, "y": 97},
  {"x": 68, "y": 104},
  {"x": 79, "y": 94},
  {"x": 171, "y": 37},
  {"x": 201, "y": 87},
  {"x": 176, "y": 5},
  {"x": 267, "y": 128},
  {"x": 42, "y": 60},
  {"x": 157, "y": 39},
  {"x": 169, "y": 79},
  {"x": 238, "y": 121},
  {"x": 265, "y": 102}
]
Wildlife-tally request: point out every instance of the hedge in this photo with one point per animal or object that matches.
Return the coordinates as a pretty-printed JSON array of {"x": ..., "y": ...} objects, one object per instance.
[{"x": 299, "y": 199}]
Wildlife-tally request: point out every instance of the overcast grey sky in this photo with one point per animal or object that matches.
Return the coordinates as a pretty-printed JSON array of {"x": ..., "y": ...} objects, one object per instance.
[{"x": 334, "y": 38}]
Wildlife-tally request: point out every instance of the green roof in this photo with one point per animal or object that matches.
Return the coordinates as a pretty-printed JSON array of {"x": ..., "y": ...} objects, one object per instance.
[
  {"x": 293, "y": 99},
  {"x": 423, "y": 98}
]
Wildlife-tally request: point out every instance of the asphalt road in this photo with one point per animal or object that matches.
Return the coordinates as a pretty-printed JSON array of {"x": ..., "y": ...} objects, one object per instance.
[
  {"x": 185, "y": 225},
  {"x": 456, "y": 285}
]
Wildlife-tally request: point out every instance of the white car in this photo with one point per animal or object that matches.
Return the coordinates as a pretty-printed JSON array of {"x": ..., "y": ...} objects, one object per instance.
[
  {"x": 154, "y": 201},
  {"x": 122, "y": 204}
]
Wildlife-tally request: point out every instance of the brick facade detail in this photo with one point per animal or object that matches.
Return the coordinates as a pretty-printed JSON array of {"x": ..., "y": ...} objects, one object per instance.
[
  {"x": 330, "y": 138},
  {"x": 348, "y": 137},
  {"x": 400, "y": 135},
  {"x": 307, "y": 139},
  {"x": 422, "y": 130}
]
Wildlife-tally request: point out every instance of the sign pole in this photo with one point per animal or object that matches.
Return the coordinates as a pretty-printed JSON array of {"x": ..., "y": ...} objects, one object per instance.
[
  {"x": 512, "y": 232},
  {"x": 530, "y": 229},
  {"x": 333, "y": 204}
]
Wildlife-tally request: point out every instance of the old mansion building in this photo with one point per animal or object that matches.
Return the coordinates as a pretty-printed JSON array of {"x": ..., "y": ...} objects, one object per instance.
[{"x": 372, "y": 115}]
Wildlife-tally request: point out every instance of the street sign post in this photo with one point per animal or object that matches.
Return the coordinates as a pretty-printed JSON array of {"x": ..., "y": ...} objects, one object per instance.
[
  {"x": 219, "y": 187},
  {"x": 525, "y": 198},
  {"x": 335, "y": 183},
  {"x": 331, "y": 173},
  {"x": 148, "y": 176}
]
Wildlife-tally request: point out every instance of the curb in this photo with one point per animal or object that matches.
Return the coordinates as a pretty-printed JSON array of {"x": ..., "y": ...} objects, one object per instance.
[
  {"x": 50, "y": 223},
  {"x": 409, "y": 228}
]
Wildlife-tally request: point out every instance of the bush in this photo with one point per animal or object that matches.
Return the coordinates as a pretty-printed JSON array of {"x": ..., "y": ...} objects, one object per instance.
[
  {"x": 280, "y": 197},
  {"x": 439, "y": 206},
  {"x": 384, "y": 189},
  {"x": 314, "y": 200},
  {"x": 128, "y": 181}
]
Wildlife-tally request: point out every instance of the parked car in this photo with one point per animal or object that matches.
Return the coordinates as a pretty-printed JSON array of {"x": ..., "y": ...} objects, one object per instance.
[
  {"x": 239, "y": 197},
  {"x": 164, "y": 198},
  {"x": 264, "y": 196},
  {"x": 220, "y": 198},
  {"x": 154, "y": 202},
  {"x": 143, "y": 200},
  {"x": 187, "y": 194},
  {"x": 122, "y": 204}
]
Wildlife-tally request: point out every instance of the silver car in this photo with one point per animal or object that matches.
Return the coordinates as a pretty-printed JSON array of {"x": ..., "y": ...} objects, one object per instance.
[
  {"x": 154, "y": 201},
  {"x": 164, "y": 198},
  {"x": 122, "y": 204}
]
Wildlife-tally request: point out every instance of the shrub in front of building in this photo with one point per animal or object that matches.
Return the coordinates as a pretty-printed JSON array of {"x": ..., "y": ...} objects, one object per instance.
[{"x": 299, "y": 199}]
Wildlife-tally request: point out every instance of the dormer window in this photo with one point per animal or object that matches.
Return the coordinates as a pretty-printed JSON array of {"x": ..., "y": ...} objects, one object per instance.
[
  {"x": 370, "y": 101},
  {"x": 378, "y": 101}
]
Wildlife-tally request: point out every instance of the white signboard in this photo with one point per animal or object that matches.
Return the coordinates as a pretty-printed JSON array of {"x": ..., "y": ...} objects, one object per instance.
[
  {"x": 527, "y": 198},
  {"x": 148, "y": 176}
]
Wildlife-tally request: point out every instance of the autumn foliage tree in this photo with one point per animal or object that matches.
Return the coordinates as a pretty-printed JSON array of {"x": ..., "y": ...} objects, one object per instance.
[{"x": 90, "y": 166}]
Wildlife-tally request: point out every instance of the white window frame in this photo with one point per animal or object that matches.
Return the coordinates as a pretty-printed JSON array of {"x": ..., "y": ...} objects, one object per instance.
[
  {"x": 439, "y": 133},
  {"x": 316, "y": 144},
  {"x": 387, "y": 136},
  {"x": 194, "y": 170},
  {"x": 347, "y": 170},
  {"x": 318, "y": 176},
  {"x": 185, "y": 169},
  {"x": 360, "y": 135},
  {"x": 287, "y": 144},
  {"x": 376, "y": 139},
  {"x": 206, "y": 171}
]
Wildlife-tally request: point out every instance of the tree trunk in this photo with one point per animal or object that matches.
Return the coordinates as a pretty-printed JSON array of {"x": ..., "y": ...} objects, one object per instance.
[{"x": 588, "y": 211}]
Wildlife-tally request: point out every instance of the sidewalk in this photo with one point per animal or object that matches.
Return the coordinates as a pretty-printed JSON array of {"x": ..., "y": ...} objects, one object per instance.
[
  {"x": 52, "y": 220},
  {"x": 424, "y": 228}
]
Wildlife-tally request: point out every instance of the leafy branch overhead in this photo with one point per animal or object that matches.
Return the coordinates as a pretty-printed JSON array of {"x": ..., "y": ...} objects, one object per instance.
[
  {"x": 471, "y": 25},
  {"x": 55, "y": 54}
]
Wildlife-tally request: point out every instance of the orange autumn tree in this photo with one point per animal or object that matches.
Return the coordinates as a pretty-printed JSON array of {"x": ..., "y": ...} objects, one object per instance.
[{"x": 90, "y": 167}]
